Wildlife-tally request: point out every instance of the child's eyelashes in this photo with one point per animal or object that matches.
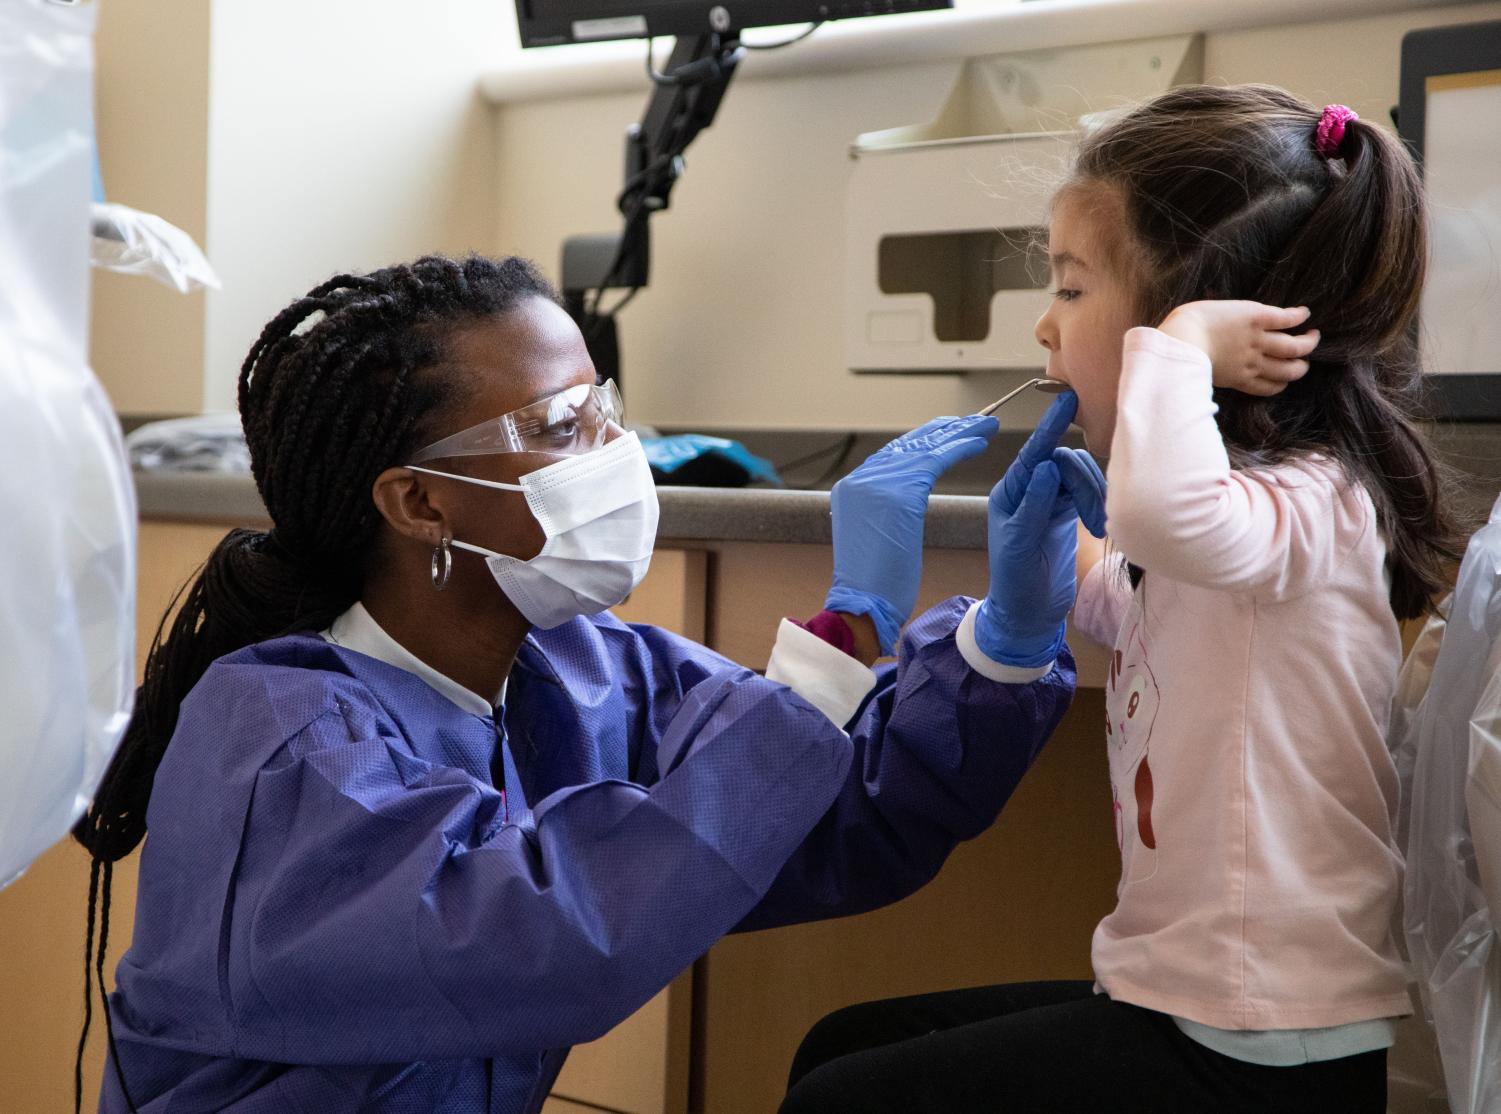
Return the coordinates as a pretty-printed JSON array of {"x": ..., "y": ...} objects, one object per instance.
[{"x": 1065, "y": 295}]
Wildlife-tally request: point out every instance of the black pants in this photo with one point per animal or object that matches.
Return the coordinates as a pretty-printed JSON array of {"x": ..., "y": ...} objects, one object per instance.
[{"x": 1049, "y": 1047}]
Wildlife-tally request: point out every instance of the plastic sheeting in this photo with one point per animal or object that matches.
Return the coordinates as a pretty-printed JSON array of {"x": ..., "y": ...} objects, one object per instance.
[
  {"x": 136, "y": 243},
  {"x": 67, "y": 564},
  {"x": 201, "y": 443},
  {"x": 1448, "y": 750}
]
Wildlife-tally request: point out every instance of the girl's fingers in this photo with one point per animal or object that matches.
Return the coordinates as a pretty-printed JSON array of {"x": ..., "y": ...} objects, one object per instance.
[
  {"x": 1285, "y": 346},
  {"x": 1271, "y": 377},
  {"x": 1276, "y": 317},
  {"x": 1285, "y": 371},
  {"x": 1265, "y": 372}
]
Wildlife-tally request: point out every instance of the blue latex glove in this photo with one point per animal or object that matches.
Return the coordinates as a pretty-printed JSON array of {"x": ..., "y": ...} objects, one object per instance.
[
  {"x": 1085, "y": 484},
  {"x": 878, "y": 520},
  {"x": 1033, "y": 543}
]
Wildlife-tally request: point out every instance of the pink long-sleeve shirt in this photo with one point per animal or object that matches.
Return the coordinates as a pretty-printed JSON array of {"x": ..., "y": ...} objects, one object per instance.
[{"x": 1247, "y": 705}]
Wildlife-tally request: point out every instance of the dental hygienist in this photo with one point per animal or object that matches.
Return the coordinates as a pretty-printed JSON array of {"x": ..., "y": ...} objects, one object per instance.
[{"x": 423, "y": 814}]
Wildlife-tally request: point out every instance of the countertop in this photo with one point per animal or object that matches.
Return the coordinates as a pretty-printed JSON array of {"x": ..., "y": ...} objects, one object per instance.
[
  {"x": 690, "y": 515},
  {"x": 700, "y": 516}
]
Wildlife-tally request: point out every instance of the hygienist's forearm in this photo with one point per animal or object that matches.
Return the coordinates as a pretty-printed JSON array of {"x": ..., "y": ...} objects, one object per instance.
[{"x": 934, "y": 762}]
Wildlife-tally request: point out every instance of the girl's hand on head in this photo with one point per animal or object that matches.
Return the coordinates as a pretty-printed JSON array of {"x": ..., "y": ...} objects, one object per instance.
[{"x": 1245, "y": 342}]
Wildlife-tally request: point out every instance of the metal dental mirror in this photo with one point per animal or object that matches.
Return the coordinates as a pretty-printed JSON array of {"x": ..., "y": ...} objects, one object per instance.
[{"x": 1046, "y": 386}]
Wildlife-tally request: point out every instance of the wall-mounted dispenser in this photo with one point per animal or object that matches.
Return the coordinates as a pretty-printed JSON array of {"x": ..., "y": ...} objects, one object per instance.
[{"x": 945, "y": 240}]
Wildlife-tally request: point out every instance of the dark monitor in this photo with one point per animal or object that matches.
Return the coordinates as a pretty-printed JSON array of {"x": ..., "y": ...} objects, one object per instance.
[{"x": 554, "y": 22}]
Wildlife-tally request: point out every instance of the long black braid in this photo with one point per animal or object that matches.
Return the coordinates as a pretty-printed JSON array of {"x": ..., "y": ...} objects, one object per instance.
[{"x": 339, "y": 386}]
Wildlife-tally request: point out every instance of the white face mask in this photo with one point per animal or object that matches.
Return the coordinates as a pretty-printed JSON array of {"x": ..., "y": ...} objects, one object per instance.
[{"x": 599, "y": 513}]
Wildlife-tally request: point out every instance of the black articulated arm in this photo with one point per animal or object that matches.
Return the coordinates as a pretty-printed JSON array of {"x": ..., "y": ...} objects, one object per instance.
[{"x": 684, "y": 100}]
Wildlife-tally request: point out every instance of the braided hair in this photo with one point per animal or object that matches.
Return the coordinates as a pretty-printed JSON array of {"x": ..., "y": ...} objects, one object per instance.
[{"x": 340, "y": 385}]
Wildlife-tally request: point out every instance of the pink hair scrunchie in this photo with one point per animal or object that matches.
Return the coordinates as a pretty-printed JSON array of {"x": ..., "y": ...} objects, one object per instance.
[{"x": 1331, "y": 130}]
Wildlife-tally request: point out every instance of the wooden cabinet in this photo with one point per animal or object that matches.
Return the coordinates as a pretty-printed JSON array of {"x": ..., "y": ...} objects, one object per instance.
[{"x": 1019, "y": 903}]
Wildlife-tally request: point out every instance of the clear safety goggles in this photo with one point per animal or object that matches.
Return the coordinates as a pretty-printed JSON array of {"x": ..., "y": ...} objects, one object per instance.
[{"x": 569, "y": 423}]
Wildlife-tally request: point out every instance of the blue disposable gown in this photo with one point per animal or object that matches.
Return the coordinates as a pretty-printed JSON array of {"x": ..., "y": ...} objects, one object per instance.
[{"x": 356, "y": 895}]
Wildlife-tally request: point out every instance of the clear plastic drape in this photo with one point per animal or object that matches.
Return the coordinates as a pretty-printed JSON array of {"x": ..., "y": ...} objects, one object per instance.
[
  {"x": 1448, "y": 751},
  {"x": 67, "y": 556}
]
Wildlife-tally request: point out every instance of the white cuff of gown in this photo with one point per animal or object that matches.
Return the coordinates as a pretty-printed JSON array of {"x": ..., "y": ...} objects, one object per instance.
[
  {"x": 970, "y": 650},
  {"x": 823, "y": 675}
]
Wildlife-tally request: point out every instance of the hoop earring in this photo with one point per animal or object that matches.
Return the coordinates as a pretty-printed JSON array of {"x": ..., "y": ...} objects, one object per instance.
[{"x": 442, "y": 566}]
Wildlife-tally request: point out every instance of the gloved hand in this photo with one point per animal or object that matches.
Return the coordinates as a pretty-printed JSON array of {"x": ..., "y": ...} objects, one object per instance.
[
  {"x": 1033, "y": 542},
  {"x": 878, "y": 520},
  {"x": 1085, "y": 484}
]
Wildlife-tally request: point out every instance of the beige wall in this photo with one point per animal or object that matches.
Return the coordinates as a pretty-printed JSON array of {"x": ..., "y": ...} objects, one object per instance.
[
  {"x": 344, "y": 134},
  {"x": 152, "y": 119},
  {"x": 296, "y": 140},
  {"x": 293, "y": 141},
  {"x": 741, "y": 326}
]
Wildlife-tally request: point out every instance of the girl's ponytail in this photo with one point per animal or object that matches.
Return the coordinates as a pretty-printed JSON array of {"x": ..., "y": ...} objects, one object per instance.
[
  {"x": 1368, "y": 238},
  {"x": 1360, "y": 259}
]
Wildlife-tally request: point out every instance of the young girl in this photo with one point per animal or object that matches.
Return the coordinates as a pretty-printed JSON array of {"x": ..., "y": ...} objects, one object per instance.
[{"x": 1278, "y": 514}]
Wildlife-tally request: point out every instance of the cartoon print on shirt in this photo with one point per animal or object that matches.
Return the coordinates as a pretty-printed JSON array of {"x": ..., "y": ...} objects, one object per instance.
[{"x": 1131, "y": 702}]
